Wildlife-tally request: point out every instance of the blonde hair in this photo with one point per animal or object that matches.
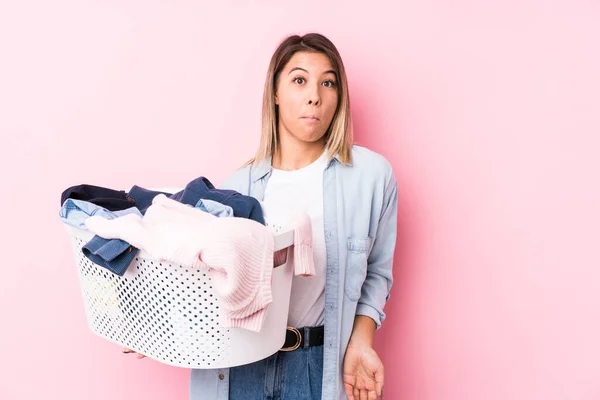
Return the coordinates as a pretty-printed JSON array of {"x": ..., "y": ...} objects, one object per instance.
[{"x": 339, "y": 134}]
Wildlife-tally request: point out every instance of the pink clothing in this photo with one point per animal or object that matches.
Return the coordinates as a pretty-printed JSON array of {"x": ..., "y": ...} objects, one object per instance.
[
  {"x": 304, "y": 264},
  {"x": 238, "y": 251}
]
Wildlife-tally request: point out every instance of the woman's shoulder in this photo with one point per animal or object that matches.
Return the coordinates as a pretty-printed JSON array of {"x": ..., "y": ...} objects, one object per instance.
[
  {"x": 238, "y": 180},
  {"x": 372, "y": 163}
]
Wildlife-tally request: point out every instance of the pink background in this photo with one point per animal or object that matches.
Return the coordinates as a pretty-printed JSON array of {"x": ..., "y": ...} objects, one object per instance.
[{"x": 488, "y": 111}]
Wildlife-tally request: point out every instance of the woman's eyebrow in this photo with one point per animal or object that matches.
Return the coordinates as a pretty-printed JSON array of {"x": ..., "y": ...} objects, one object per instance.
[
  {"x": 301, "y": 69},
  {"x": 330, "y": 71}
]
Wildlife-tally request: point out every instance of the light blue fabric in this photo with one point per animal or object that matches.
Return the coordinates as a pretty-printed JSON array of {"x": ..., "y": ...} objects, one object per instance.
[
  {"x": 215, "y": 208},
  {"x": 360, "y": 212},
  {"x": 74, "y": 212}
]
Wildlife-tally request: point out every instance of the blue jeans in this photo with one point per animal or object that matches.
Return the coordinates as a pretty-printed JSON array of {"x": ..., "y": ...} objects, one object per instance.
[{"x": 293, "y": 375}]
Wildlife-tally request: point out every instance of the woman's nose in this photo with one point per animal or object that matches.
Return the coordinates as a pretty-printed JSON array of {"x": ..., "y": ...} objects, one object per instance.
[{"x": 313, "y": 96}]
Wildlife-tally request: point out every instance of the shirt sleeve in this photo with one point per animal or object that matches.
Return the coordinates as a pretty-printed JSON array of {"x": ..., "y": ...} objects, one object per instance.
[
  {"x": 375, "y": 290},
  {"x": 238, "y": 181}
]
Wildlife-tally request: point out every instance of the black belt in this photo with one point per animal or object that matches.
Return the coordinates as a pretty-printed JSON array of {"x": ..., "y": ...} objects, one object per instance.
[{"x": 305, "y": 337}]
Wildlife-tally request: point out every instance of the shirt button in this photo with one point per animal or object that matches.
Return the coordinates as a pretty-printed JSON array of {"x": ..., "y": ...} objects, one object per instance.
[{"x": 221, "y": 376}]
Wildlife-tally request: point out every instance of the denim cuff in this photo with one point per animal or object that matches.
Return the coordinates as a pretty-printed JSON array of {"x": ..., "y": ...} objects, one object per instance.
[
  {"x": 112, "y": 254},
  {"x": 368, "y": 311}
]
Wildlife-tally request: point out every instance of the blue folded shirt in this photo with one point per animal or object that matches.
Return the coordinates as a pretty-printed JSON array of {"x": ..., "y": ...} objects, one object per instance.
[{"x": 113, "y": 254}]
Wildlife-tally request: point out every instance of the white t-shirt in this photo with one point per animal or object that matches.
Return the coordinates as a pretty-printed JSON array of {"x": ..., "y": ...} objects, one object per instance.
[{"x": 302, "y": 191}]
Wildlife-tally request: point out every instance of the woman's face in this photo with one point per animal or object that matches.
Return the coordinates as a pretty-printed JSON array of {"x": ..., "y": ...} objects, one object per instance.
[{"x": 307, "y": 95}]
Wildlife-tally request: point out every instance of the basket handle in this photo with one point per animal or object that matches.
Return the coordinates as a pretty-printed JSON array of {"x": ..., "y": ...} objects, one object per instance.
[
  {"x": 282, "y": 243},
  {"x": 279, "y": 257}
]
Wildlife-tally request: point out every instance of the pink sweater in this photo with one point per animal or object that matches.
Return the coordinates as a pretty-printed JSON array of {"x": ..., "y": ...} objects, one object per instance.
[
  {"x": 238, "y": 251},
  {"x": 302, "y": 255}
]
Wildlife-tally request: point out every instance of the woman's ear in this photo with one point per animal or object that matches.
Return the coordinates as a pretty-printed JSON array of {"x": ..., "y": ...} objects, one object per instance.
[{"x": 276, "y": 99}]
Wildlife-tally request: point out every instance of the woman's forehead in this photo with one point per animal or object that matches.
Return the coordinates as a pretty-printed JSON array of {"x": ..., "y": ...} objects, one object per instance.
[{"x": 311, "y": 62}]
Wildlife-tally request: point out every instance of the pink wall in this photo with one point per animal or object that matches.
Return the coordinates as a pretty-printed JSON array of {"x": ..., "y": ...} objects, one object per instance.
[{"x": 489, "y": 112}]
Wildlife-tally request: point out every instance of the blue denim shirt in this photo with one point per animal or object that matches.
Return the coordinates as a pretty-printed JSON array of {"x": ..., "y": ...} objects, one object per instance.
[
  {"x": 215, "y": 208},
  {"x": 360, "y": 213},
  {"x": 202, "y": 189}
]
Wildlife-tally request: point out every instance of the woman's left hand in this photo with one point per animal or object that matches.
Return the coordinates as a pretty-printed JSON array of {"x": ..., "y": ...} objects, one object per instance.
[{"x": 363, "y": 372}]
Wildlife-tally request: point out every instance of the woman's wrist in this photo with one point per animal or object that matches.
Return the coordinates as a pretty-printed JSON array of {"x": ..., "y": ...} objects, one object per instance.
[{"x": 363, "y": 331}]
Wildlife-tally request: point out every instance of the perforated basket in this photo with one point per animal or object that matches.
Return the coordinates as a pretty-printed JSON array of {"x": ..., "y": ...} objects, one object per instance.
[{"x": 170, "y": 313}]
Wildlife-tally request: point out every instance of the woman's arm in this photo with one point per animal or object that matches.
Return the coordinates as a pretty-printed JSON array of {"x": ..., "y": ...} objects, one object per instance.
[
  {"x": 363, "y": 331},
  {"x": 363, "y": 370},
  {"x": 375, "y": 291}
]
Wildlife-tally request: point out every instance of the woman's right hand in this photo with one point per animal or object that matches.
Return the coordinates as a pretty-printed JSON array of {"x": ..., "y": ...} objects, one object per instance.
[{"x": 128, "y": 351}]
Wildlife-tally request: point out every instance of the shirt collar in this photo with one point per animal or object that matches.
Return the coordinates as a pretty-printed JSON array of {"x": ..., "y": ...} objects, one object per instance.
[{"x": 262, "y": 168}]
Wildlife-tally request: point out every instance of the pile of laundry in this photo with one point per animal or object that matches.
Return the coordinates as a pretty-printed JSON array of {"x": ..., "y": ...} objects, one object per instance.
[{"x": 199, "y": 227}]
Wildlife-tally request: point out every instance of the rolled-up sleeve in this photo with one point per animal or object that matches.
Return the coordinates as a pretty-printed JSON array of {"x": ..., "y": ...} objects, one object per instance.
[{"x": 375, "y": 290}]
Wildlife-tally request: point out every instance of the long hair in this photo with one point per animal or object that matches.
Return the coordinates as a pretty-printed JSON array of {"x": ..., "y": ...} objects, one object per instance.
[{"x": 339, "y": 134}]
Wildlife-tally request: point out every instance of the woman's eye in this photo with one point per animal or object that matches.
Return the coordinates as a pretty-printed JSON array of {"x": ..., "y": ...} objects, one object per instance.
[
  {"x": 329, "y": 84},
  {"x": 296, "y": 80}
]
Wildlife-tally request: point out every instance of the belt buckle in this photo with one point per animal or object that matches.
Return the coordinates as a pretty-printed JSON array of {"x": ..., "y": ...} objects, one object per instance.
[{"x": 298, "y": 340}]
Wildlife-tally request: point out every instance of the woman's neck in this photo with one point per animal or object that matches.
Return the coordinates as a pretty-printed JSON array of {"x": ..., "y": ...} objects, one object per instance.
[{"x": 293, "y": 154}]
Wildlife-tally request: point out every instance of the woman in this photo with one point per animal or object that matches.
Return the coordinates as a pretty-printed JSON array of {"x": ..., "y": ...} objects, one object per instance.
[{"x": 306, "y": 161}]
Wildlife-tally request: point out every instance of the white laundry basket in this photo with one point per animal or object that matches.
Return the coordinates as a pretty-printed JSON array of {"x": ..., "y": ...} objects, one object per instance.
[{"x": 170, "y": 313}]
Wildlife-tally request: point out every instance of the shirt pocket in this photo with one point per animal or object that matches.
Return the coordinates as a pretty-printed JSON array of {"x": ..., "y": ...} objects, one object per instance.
[{"x": 356, "y": 271}]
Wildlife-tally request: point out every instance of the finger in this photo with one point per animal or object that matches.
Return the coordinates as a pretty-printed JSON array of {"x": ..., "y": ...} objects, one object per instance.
[
  {"x": 372, "y": 395},
  {"x": 356, "y": 393},
  {"x": 364, "y": 394},
  {"x": 349, "y": 391},
  {"x": 379, "y": 381},
  {"x": 140, "y": 356},
  {"x": 127, "y": 351},
  {"x": 379, "y": 389}
]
